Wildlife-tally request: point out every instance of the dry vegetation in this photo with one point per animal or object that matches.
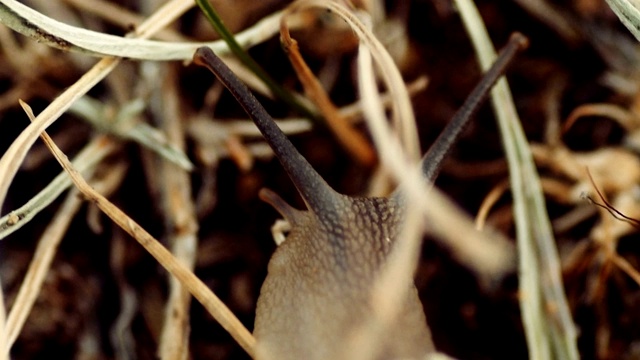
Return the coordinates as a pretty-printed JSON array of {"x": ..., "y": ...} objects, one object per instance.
[{"x": 160, "y": 139}]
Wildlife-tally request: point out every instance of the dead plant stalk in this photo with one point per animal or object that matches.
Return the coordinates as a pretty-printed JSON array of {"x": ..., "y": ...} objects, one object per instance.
[{"x": 187, "y": 278}]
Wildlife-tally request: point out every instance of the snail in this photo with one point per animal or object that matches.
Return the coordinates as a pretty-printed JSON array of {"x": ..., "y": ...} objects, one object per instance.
[{"x": 319, "y": 280}]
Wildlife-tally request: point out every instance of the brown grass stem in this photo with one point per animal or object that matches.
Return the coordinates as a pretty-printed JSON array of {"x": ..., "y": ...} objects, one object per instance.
[
  {"x": 189, "y": 280},
  {"x": 353, "y": 141}
]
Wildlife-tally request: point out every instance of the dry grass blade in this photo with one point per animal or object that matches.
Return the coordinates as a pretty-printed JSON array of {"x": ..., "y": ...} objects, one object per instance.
[
  {"x": 484, "y": 253},
  {"x": 187, "y": 278},
  {"x": 127, "y": 125},
  {"x": 13, "y": 157},
  {"x": 4, "y": 348},
  {"x": 622, "y": 116},
  {"x": 121, "y": 16},
  {"x": 554, "y": 18},
  {"x": 15, "y": 154},
  {"x": 404, "y": 258},
  {"x": 625, "y": 266},
  {"x": 402, "y": 109},
  {"x": 70, "y": 38},
  {"x": 353, "y": 112},
  {"x": 209, "y": 11},
  {"x": 46, "y": 250},
  {"x": 487, "y": 254},
  {"x": 353, "y": 141},
  {"x": 120, "y": 334},
  {"x": 488, "y": 202},
  {"x": 87, "y": 159},
  {"x": 540, "y": 272},
  {"x": 628, "y": 11},
  {"x": 182, "y": 224}
]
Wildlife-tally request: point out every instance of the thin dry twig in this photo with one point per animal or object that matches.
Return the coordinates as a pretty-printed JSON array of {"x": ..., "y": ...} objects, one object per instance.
[
  {"x": 607, "y": 205},
  {"x": 611, "y": 253},
  {"x": 187, "y": 278}
]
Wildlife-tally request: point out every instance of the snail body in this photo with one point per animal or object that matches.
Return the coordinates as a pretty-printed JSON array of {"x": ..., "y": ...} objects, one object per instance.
[
  {"x": 317, "y": 293},
  {"x": 336, "y": 258}
]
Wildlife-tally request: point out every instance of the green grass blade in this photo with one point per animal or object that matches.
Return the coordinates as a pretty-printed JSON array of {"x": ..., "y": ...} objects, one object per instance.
[{"x": 227, "y": 36}]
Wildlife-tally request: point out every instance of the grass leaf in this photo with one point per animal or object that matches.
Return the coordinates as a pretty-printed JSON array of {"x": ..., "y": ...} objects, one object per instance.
[{"x": 31, "y": 23}]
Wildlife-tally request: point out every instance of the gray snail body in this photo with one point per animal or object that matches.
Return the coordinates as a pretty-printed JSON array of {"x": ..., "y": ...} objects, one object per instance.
[
  {"x": 336, "y": 257},
  {"x": 319, "y": 282}
]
